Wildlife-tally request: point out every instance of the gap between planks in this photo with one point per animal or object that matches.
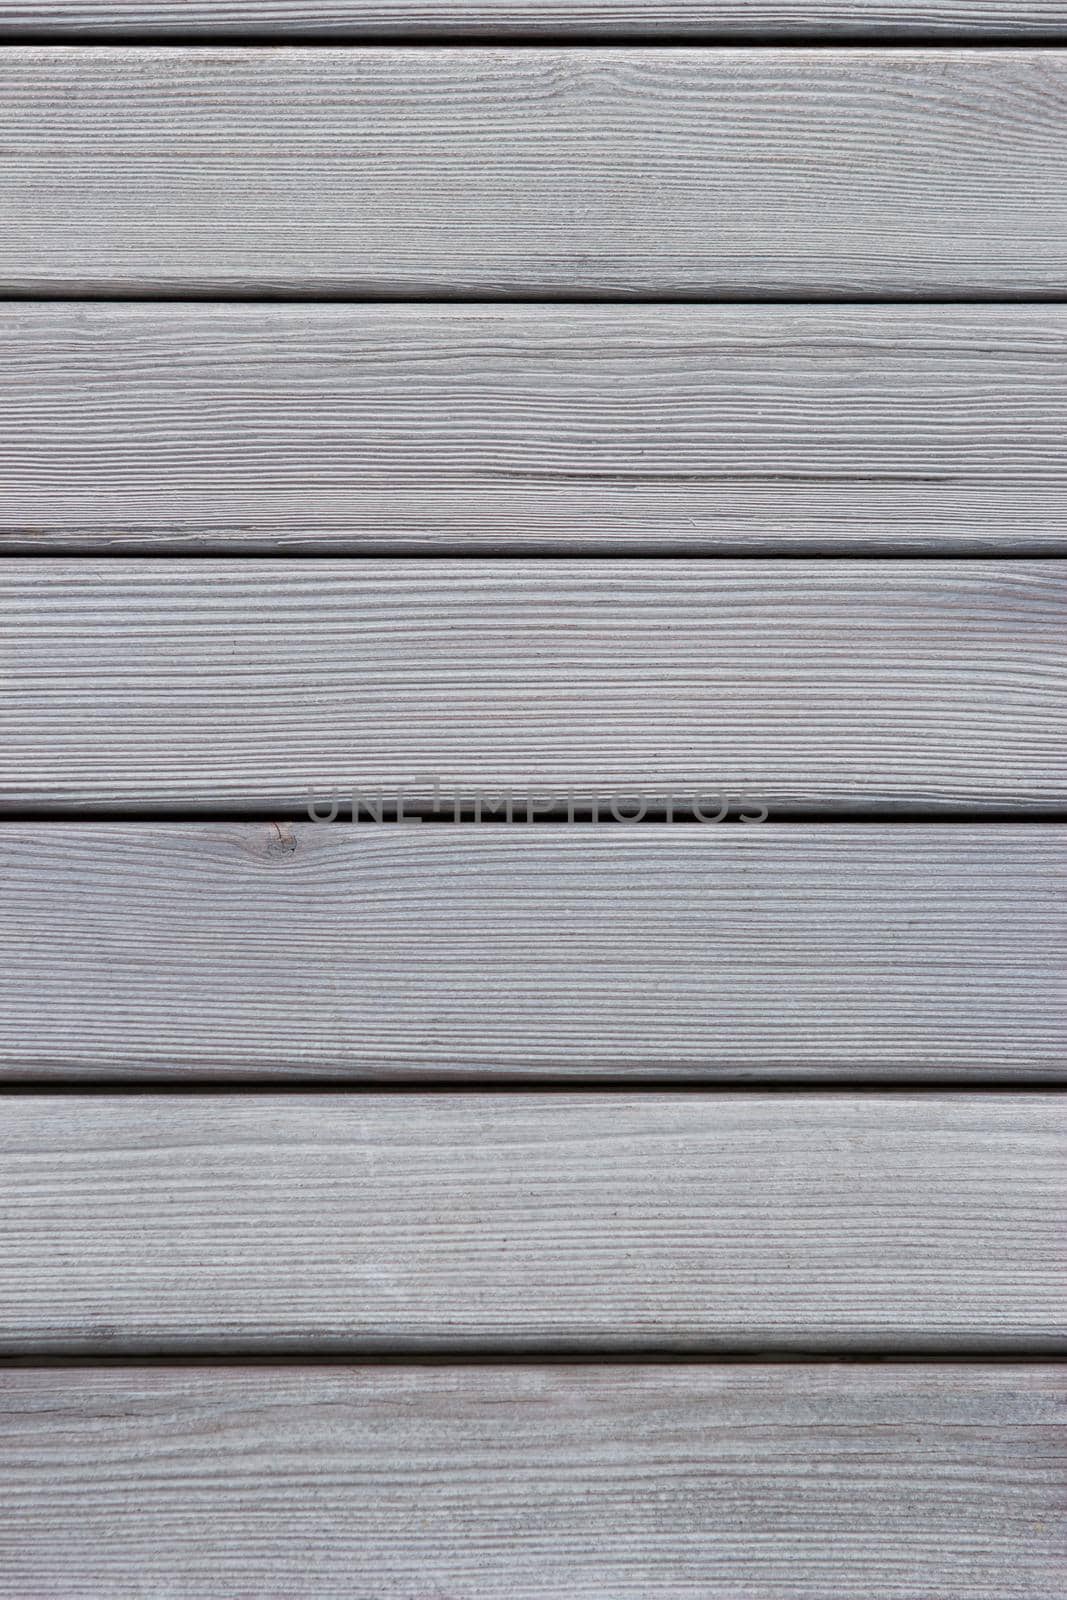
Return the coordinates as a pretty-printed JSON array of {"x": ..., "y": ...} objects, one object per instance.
[
  {"x": 798, "y": 1088},
  {"x": 464, "y": 1360}
]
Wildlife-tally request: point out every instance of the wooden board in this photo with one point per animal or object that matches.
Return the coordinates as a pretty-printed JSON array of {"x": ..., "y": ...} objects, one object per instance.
[
  {"x": 366, "y": 1223},
  {"x": 532, "y": 428},
  {"x": 534, "y": 1483},
  {"x": 501, "y": 19},
  {"x": 798, "y": 684},
  {"x": 212, "y": 951},
  {"x": 437, "y": 171}
]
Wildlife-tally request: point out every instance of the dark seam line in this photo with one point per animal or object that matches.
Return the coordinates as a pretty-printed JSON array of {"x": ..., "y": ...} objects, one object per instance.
[
  {"x": 16, "y": 547},
  {"x": 498, "y": 1355},
  {"x": 423, "y": 816},
  {"x": 572, "y": 1086},
  {"x": 517, "y": 37},
  {"x": 212, "y": 293}
]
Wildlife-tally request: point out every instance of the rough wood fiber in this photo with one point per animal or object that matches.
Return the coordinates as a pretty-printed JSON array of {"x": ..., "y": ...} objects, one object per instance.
[
  {"x": 526, "y": 428},
  {"x": 551, "y": 1483},
  {"x": 855, "y": 951},
  {"x": 831, "y": 684},
  {"x": 694, "y": 19},
  {"x": 534, "y": 171},
  {"x": 520, "y": 1222}
]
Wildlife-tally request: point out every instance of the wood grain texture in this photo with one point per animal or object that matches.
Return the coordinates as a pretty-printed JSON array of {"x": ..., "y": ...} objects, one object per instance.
[
  {"x": 532, "y": 428},
  {"x": 678, "y": 19},
  {"x": 533, "y": 171},
  {"x": 552, "y": 1483},
  {"x": 382, "y": 952},
  {"x": 403, "y": 1224},
  {"x": 806, "y": 684}
]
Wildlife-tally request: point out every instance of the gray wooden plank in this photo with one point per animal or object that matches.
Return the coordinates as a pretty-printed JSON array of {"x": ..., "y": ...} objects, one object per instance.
[
  {"x": 164, "y": 950},
  {"x": 243, "y": 949},
  {"x": 532, "y": 428},
  {"x": 533, "y": 171},
  {"x": 420, "y": 1223},
  {"x": 677, "y": 19},
  {"x": 804, "y": 684},
  {"x": 534, "y": 1483}
]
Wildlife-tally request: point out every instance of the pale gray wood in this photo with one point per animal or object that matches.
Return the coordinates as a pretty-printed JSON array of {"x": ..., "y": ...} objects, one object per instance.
[
  {"x": 416, "y": 1223},
  {"x": 525, "y": 428},
  {"x": 693, "y": 19},
  {"x": 533, "y": 171},
  {"x": 831, "y": 684},
  {"x": 534, "y": 1483},
  {"x": 850, "y": 951}
]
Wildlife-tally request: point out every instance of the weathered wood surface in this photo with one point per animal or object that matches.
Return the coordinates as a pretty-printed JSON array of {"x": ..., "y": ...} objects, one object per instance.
[
  {"x": 528, "y": 1483},
  {"x": 245, "y": 949},
  {"x": 365, "y": 1223},
  {"x": 830, "y": 684},
  {"x": 677, "y": 19},
  {"x": 532, "y": 428},
  {"x": 786, "y": 172}
]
